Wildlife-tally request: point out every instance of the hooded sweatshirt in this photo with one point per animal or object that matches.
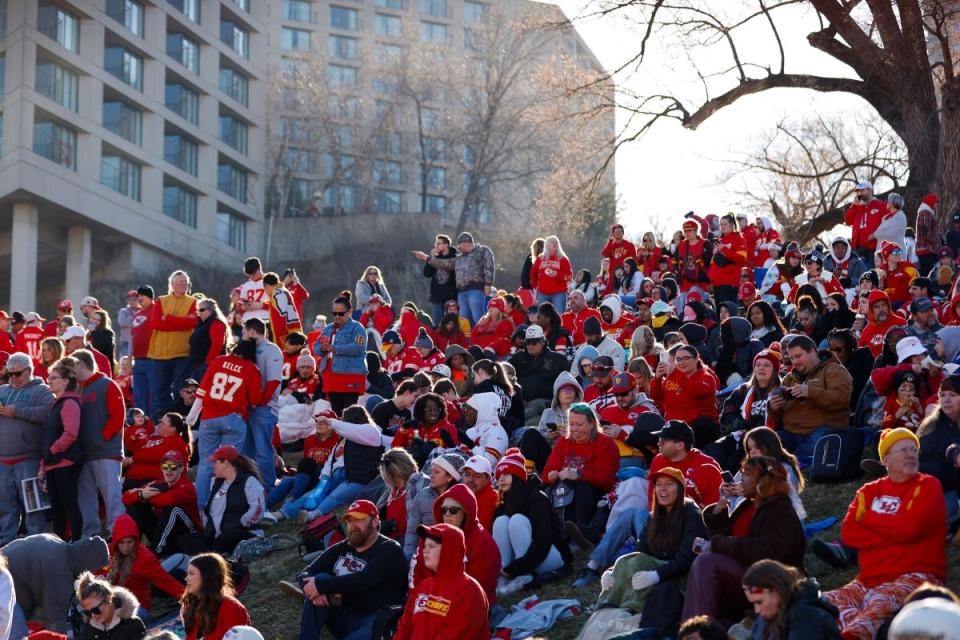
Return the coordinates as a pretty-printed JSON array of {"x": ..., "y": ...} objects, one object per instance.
[
  {"x": 588, "y": 352},
  {"x": 616, "y": 328},
  {"x": 872, "y": 336},
  {"x": 846, "y": 266},
  {"x": 554, "y": 415},
  {"x": 489, "y": 437},
  {"x": 449, "y": 604},
  {"x": 44, "y": 568},
  {"x": 482, "y": 553},
  {"x": 146, "y": 570},
  {"x": 740, "y": 362},
  {"x": 951, "y": 343},
  {"x": 768, "y": 235},
  {"x": 596, "y": 460},
  {"x": 687, "y": 398}
]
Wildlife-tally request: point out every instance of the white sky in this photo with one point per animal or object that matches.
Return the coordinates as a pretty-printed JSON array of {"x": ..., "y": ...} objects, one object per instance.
[{"x": 672, "y": 170}]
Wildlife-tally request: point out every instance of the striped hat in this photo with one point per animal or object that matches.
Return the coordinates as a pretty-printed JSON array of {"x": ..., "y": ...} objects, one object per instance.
[{"x": 513, "y": 463}]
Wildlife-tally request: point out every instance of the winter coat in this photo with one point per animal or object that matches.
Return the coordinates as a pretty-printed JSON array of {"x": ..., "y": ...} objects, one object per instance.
[
  {"x": 124, "y": 626},
  {"x": 936, "y": 433},
  {"x": 230, "y": 615},
  {"x": 775, "y": 532},
  {"x": 696, "y": 336},
  {"x": 146, "y": 570},
  {"x": 810, "y": 616},
  {"x": 363, "y": 290},
  {"x": 737, "y": 349},
  {"x": 891, "y": 229},
  {"x": 828, "y": 402},
  {"x": 537, "y": 374},
  {"x": 21, "y": 436},
  {"x": 44, "y": 568},
  {"x": 584, "y": 352},
  {"x": 448, "y": 604},
  {"x": 677, "y": 560},
  {"x": 473, "y": 270},
  {"x": 745, "y": 408},
  {"x": 731, "y": 251},
  {"x": 872, "y": 336},
  {"x": 847, "y": 267},
  {"x": 528, "y": 499},
  {"x": 554, "y": 415},
  {"x": 443, "y": 283},
  {"x": 419, "y": 511}
]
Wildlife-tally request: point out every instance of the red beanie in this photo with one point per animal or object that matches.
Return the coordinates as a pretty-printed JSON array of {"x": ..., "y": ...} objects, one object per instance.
[
  {"x": 773, "y": 357},
  {"x": 930, "y": 200},
  {"x": 513, "y": 463}
]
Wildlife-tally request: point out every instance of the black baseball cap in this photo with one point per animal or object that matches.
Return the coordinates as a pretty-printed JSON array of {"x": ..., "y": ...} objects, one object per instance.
[
  {"x": 603, "y": 363},
  {"x": 676, "y": 430}
]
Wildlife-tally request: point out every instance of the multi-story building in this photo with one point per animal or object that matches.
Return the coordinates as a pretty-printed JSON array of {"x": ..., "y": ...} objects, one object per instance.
[{"x": 131, "y": 139}]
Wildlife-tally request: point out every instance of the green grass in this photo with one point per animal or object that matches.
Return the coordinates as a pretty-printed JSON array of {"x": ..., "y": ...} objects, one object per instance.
[{"x": 277, "y": 616}]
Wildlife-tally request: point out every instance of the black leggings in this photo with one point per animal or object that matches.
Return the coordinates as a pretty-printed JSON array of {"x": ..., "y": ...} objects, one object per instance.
[
  {"x": 340, "y": 401},
  {"x": 163, "y": 529},
  {"x": 64, "y": 507}
]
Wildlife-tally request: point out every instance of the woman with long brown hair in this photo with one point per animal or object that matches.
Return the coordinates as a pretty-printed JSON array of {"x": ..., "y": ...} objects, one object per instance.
[
  {"x": 788, "y": 606},
  {"x": 208, "y": 608}
]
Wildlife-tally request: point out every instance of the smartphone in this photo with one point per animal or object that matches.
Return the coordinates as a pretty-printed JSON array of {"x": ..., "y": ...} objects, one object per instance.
[
  {"x": 727, "y": 477},
  {"x": 551, "y": 426},
  {"x": 664, "y": 356},
  {"x": 699, "y": 544}
]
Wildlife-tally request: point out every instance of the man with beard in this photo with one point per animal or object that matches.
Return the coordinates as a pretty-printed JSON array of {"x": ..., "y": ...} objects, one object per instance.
[
  {"x": 346, "y": 587},
  {"x": 577, "y": 314},
  {"x": 879, "y": 319}
]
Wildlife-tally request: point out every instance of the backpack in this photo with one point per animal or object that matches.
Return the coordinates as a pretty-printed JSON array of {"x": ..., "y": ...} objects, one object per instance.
[
  {"x": 313, "y": 534},
  {"x": 836, "y": 456},
  {"x": 255, "y": 548}
]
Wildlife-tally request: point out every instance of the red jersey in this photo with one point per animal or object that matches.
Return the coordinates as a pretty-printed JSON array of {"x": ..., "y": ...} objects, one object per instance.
[
  {"x": 550, "y": 274},
  {"x": 434, "y": 358},
  {"x": 307, "y": 387},
  {"x": 733, "y": 249},
  {"x": 573, "y": 323},
  {"x": 319, "y": 450},
  {"x": 702, "y": 475},
  {"x": 135, "y": 437},
  {"x": 289, "y": 368},
  {"x": 284, "y": 318},
  {"x": 300, "y": 295},
  {"x": 6, "y": 343},
  {"x": 897, "y": 284},
  {"x": 407, "y": 357},
  {"x": 28, "y": 342},
  {"x": 230, "y": 385},
  {"x": 617, "y": 251},
  {"x": 625, "y": 418},
  {"x": 50, "y": 329},
  {"x": 140, "y": 332}
]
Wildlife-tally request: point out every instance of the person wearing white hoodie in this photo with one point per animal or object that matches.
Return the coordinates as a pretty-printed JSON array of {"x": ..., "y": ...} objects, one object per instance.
[
  {"x": 8, "y": 599},
  {"x": 845, "y": 265},
  {"x": 488, "y": 437}
]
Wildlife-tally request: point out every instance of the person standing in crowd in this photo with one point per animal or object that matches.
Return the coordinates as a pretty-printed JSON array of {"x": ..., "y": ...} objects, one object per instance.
[
  {"x": 291, "y": 282},
  {"x": 141, "y": 330},
  {"x": 474, "y": 269},
  {"x": 617, "y": 250},
  {"x": 536, "y": 248},
  {"x": 125, "y": 323},
  {"x": 102, "y": 421},
  {"x": 51, "y": 350},
  {"x": 729, "y": 254},
  {"x": 371, "y": 284},
  {"x": 209, "y": 338},
  {"x": 551, "y": 273},
  {"x": 63, "y": 450},
  {"x": 25, "y": 402},
  {"x": 173, "y": 320},
  {"x": 927, "y": 227},
  {"x": 284, "y": 318},
  {"x": 253, "y": 300},
  {"x": 893, "y": 223},
  {"x": 864, "y": 216},
  {"x": 51, "y": 328},
  {"x": 29, "y": 338},
  {"x": 342, "y": 348},
  {"x": 263, "y": 415},
  {"x": 208, "y": 607}
]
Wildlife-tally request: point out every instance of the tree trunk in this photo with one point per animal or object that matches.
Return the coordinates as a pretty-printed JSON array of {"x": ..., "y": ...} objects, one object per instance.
[{"x": 949, "y": 178}]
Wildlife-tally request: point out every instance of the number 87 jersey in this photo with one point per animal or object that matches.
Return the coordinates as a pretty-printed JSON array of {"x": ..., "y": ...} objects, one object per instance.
[{"x": 230, "y": 385}]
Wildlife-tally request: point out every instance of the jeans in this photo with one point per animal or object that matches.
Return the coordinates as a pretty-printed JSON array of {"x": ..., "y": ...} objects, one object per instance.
[
  {"x": 99, "y": 477},
  {"x": 533, "y": 409},
  {"x": 141, "y": 385},
  {"x": 514, "y": 535},
  {"x": 259, "y": 443},
  {"x": 166, "y": 380},
  {"x": 436, "y": 312},
  {"x": 558, "y": 300},
  {"x": 294, "y": 487},
  {"x": 11, "y": 477},
  {"x": 628, "y": 522},
  {"x": 802, "y": 446},
  {"x": 342, "y": 622},
  {"x": 228, "y": 429},
  {"x": 342, "y": 495},
  {"x": 953, "y": 507},
  {"x": 472, "y": 305},
  {"x": 196, "y": 372}
]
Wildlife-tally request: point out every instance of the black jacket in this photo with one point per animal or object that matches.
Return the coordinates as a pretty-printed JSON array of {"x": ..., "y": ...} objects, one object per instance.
[
  {"x": 678, "y": 559},
  {"x": 130, "y": 626},
  {"x": 810, "y": 616},
  {"x": 537, "y": 375},
  {"x": 859, "y": 365},
  {"x": 511, "y": 409},
  {"x": 525, "y": 274},
  {"x": 529, "y": 499},
  {"x": 443, "y": 284},
  {"x": 935, "y": 437}
]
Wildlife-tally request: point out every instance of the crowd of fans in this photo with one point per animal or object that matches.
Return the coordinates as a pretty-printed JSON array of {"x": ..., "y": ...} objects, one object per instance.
[{"x": 663, "y": 415}]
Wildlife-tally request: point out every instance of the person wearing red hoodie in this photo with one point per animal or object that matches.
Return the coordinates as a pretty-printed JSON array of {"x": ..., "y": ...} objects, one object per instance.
[
  {"x": 864, "y": 216},
  {"x": 751, "y": 235},
  {"x": 378, "y": 315},
  {"x": 143, "y": 465},
  {"x": 617, "y": 250},
  {"x": 880, "y": 317},
  {"x": 457, "y": 506},
  {"x": 208, "y": 607},
  {"x": 133, "y": 566},
  {"x": 167, "y": 508},
  {"x": 898, "y": 525},
  {"x": 494, "y": 329},
  {"x": 701, "y": 472},
  {"x": 551, "y": 273},
  {"x": 448, "y": 604},
  {"x": 729, "y": 255},
  {"x": 141, "y": 330},
  {"x": 686, "y": 389},
  {"x": 900, "y": 274},
  {"x": 768, "y": 236},
  {"x": 693, "y": 254}
]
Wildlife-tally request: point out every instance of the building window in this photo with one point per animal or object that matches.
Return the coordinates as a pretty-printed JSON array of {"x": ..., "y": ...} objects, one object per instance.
[
  {"x": 388, "y": 25},
  {"x": 434, "y": 8},
  {"x": 299, "y": 160},
  {"x": 180, "y": 204},
  {"x": 437, "y": 179},
  {"x": 297, "y": 11},
  {"x": 436, "y": 204},
  {"x": 121, "y": 175},
  {"x": 234, "y": 133},
  {"x": 346, "y": 195},
  {"x": 433, "y": 32},
  {"x": 55, "y": 142},
  {"x": 294, "y": 68},
  {"x": 472, "y": 39},
  {"x": 435, "y": 149},
  {"x": 181, "y": 152},
  {"x": 242, "y": 4},
  {"x": 59, "y": 25},
  {"x": 386, "y": 172},
  {"x": 129, "y": 13},
  {"x": 232, "y": 181},
  {"x": 234, "y": 84},
  {"x": 388, "y": 143},
  {"x": 342, "y": 48},
  {"x": 59, "y": 84},
  {"x": 344, "y": 107},
  {"x": 232, "y": 230},
  {"x": 389, "y": 201},
  {"x": 340, "y": 76},
  {"x": 474, "y": 11},
  {"x": 189, "y": 8},
  {"x": 3, "y": 68},
  {"x": 235, "y": 37},
  {"x": 184, "y": 50},
  {"x": 3, "y": 19},
  {"x": 343, "y": 18},
  {"x": 300, "y": 197},
  {"x": 391, "y": 4},
  {"x": 183, "y": 101},
  {"x": 295, "y": 39},
  {"x": 123, "y": 119},
  {"x": 124, "y": 65},
  {"x": 386, "y": 86}
]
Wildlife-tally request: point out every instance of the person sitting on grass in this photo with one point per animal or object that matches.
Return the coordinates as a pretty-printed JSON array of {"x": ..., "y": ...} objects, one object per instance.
[
  {"x": 787, "y": 605},
  {"x": 898, "y": 525}
]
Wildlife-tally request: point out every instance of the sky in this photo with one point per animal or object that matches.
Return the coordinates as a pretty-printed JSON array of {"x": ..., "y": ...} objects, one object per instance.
[{"x": 672, "y": 170}]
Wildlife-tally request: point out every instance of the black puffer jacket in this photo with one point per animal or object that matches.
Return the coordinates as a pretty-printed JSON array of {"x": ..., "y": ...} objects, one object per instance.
[
  {"x": 127, "y": 627},
  {"x": 810, "y": 616}
]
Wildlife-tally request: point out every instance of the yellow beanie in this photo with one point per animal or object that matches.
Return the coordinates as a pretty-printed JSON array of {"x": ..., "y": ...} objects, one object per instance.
[{"x": 890, "y": 437}]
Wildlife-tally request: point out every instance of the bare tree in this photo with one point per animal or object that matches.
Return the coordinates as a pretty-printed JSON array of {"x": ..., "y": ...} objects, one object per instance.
[
  {"x": 897, "y": 54},
  {"x": 802, "y": 169}
]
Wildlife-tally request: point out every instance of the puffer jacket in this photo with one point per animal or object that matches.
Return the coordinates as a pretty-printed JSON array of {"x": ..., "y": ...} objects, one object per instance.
[
  {"x": 124, "y": 626},
  {"x": 473, "y": 270},
  {"x": 738, "y": 364}
]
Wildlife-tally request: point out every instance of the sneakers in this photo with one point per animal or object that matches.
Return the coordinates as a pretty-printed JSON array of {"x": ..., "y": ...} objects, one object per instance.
[
  {"x": 576, "y": 535},
  {"x": 831, "y": 553},
  {"x": 587, "y": 577},
  {"x": 512, "y": 586},
  {"x": 307, "y": 516},
  {"x": 278, "y": 515},
  {"x": 268, "y": 518},
  {"x": 290, "y": 588}
]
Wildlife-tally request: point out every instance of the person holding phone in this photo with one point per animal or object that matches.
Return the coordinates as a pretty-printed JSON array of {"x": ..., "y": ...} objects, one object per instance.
[
  {"x": 686, "y": 389},
  {"x": 341, "y": 349}
]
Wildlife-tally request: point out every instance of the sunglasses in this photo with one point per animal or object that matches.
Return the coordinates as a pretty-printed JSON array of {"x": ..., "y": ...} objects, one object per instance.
[
  {"x": 94, "y": 611},
  {"x": 339, "y": 313},
  {"x": 624, "y": 394},
  {"x": 166, "y": 466},
  {"x": 14, "y": 374},
  {"x": 896, "y": 252},
  {"x": 450, "y": 511}
]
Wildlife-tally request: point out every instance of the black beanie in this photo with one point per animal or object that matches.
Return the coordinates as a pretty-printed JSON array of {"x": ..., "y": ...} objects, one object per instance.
[{"x": 591, "y": 326}]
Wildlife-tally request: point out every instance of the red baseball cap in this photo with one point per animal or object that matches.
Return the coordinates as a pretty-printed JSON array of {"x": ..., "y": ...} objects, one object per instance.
[
  {"x": 694, "y": 296},
  {"x": 175, "y": 456},
  {"x": 65, "y": 305},
  {"x": 361, "y": 509},
  {"x": 623, "y": 382},
  {"x": 225, "y": 452},
  {"x": 497, "y": 303},
  {"x": 648, "y": 302}
]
